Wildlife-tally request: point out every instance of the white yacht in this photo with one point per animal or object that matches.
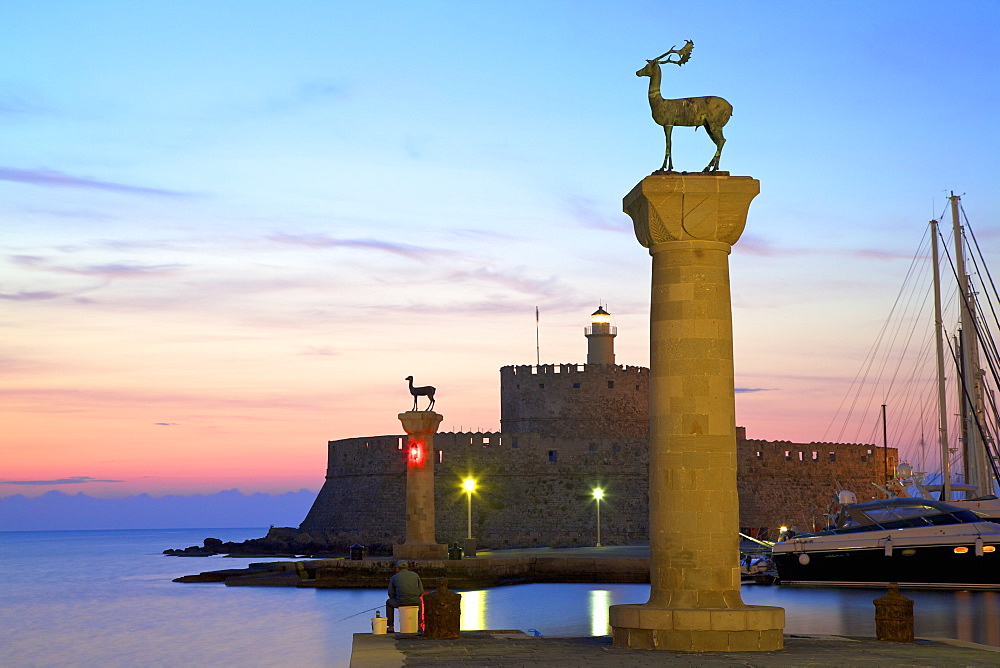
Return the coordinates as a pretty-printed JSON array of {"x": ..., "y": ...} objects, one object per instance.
[{"x": 914, "y": 542}]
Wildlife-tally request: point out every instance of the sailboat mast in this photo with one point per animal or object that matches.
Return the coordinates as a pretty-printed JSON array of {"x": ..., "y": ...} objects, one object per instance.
[
  {"x": 939, "y": 348},
  {"x": 885, "y": 451},
  {"x": 971, "y": 387}
]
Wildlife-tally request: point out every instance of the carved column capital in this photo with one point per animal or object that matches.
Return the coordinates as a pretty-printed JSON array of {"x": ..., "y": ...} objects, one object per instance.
[
  {"x": 690, "y": 207},
  {"x": 420, "y": 422}
]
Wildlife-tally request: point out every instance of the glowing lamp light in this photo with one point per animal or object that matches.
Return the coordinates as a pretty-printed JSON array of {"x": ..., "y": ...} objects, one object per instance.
[
  {"x": 600, "y": 316},
  {"x": 416, "y": 453},
  {"x": 961, "y": 549},
  {"x": 989, "y": 548},
  {"x": 469, "y": 485},
  {"x": 598, "y": 495}
]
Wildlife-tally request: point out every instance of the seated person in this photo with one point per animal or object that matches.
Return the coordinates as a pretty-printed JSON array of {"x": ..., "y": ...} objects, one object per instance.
[{"x": 405, "y": 588}]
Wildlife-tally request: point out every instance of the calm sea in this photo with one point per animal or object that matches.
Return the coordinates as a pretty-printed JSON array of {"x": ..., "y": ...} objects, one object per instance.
[{"x": 106, "y": 597}]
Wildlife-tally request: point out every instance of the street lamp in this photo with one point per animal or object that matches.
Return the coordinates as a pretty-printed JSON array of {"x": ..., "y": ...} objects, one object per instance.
[
  {"x": 469, "y": 485},
  {"x": 598, "y": 495}
]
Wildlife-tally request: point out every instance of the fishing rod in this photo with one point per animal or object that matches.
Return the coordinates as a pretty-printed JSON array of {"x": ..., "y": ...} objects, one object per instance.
[{"x": 378, "y": 607}]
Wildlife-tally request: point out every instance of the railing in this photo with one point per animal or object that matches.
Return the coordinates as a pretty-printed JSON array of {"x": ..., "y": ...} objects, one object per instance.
[{"x": 600, "y": 328}]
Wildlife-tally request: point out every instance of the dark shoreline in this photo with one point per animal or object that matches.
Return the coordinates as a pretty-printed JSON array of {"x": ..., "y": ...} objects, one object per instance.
[{"x": 618, "y": 564}]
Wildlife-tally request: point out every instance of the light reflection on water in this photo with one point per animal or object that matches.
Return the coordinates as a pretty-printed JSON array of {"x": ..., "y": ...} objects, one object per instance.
[
  {"x": 600, "y": 599},
  {"x": 473, "y": 610},
  {"x": 581, "y": 609},
  {"x": 105, "y": 598}
]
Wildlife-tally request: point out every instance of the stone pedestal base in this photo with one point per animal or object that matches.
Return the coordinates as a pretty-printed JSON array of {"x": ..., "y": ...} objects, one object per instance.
[
  {"x": 419, "y": 551},
  {"x": 755, "y": 628},
  {"x": 469, "y": 547}
]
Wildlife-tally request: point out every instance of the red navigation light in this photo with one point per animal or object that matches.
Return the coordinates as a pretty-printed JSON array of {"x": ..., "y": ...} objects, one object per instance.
[{"x": 416, "y": 453}]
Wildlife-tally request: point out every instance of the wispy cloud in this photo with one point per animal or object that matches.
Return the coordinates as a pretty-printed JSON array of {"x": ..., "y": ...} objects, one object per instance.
[
  {"x": 165, "y": 424},
  {"x": 589, "y": 213},
  {"x": 513, "y": 281},
  {"x": 310, "y": 93},
  {"x": 872, "y": 254},
  {"x": 107, "y": 271},
  {"x": 487, "y": 235},
  {"x": 73, "y": 214},
  {"x": 25, "y": 296},
  {"x": 15, "y": 105},
  {"x": 319, "y": 351},
  {"x": 51, "y": 178},
  {"x": 468, "y": 308},
  {"x": 321, "y": 91},
  {"x": 71, "y": 400},
  {"x": 326, "y": 241},
  {"x": 72, "y": 480},
  {"x": 745, "y": 390},
  {"x": 754, "y": 245}
]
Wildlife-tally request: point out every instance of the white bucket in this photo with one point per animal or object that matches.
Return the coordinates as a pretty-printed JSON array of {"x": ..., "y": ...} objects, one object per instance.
[
  {"x": 378, "y": 625},
  {"x": 409, "y": 618}
]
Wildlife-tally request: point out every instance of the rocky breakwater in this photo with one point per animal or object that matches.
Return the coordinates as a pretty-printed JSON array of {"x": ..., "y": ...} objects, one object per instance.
[
  {"x": 286, "y": 542},
  {"x": 461, "y": 573}
]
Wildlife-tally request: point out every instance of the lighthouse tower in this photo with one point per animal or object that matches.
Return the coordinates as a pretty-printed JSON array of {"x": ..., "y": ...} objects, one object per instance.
[
  {"x": 600, "y": 338},
  {"x": 581, "y": 402}
]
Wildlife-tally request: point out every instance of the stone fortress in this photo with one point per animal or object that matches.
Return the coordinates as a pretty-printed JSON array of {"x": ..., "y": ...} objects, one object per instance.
[{"x": 566, "y": 429}]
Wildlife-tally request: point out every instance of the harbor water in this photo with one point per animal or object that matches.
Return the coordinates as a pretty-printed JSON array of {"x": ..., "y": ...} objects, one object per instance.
[{"x": 106, "y": 597}]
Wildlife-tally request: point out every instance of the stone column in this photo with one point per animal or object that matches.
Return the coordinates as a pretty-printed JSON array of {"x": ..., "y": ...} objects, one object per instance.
[
  {"x": 689, "y": 223},
  {"x": 420, "y": 427}
]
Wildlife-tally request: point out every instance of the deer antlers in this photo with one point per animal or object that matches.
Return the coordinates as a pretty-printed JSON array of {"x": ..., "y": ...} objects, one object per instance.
[{"x": 684, "y": 52}]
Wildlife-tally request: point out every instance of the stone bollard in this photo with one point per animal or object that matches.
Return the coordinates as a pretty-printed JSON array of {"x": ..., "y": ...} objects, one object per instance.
[
  {"x": 442, "y": 612},
  {"x": 894, "y": 616}
]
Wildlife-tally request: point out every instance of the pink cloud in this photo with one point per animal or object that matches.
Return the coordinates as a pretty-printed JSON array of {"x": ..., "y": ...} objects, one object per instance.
[
  {"x": 326, "y": 241},
  {"x": 72, "y": 480},
  {"x": 25, "y": 296},
  {"x": 512, "y": 281},
  {"x": 590, "y": 215},
  {"x": 114, "y": 270},
  {"x": 55, "y": 179}
]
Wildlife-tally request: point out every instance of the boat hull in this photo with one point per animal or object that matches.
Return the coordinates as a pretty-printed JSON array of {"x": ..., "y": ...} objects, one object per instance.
[{"x": 931, "y": 566}]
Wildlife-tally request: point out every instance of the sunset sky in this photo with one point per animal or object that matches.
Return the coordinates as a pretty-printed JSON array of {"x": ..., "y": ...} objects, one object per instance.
[{"x": 229, "y": 230}]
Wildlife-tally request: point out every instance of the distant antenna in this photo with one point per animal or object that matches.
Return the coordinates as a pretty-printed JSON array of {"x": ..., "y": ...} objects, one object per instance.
[{"x": 538, "y": 349}]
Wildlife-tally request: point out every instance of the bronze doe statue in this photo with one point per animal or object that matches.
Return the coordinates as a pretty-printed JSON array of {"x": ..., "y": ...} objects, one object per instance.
[
  {"x": 425, "y": 391},
  {"x": 710, "y": 112}
]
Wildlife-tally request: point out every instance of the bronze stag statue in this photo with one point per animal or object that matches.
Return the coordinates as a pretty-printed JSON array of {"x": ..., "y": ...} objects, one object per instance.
[
  {"x": 709, "y": 112},
  {"x": 425, "y": 391}
]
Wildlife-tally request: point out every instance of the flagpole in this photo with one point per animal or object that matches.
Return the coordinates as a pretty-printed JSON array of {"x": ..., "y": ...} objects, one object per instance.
[{"x": 538, "y": 349}]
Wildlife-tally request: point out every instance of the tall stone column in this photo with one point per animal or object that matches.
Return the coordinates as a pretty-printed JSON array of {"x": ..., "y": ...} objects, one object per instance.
[
  {"x": 420, "y": 427},
  {"x": 689, "y": 223}
]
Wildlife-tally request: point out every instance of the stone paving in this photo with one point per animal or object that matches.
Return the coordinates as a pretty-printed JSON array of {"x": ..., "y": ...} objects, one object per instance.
[{"x": 509, "y": 649}]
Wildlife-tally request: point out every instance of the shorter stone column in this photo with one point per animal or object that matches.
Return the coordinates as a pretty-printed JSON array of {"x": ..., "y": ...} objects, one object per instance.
[{"x": 420, "y": 427}]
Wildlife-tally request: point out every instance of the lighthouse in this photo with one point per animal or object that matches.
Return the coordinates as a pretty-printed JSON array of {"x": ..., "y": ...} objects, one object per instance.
[{"x": 600, "y": 338}]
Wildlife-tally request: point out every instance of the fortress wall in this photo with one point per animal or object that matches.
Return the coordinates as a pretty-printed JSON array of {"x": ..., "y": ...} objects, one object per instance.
[
  {"x": 793, "y": 484},
  {"x": 538, "y": 491},
  {"x": 365, "y": 485},
  {"x": 570, "y": 400},
  {"x": 525, "y": 498}
]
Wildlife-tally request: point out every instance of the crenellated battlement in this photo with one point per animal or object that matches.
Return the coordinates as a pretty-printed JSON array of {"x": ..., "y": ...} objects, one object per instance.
[
  {"x": 549, "y": 369},
  {"x": 779, "y": 482},
  {"x": 575, "y": 400},
  {"x": 565, "y": 429}
]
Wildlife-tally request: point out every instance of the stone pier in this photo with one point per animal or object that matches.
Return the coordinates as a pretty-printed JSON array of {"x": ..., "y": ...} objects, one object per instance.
[
  {"x": 689, "y": 223},
  {"x": 420, "y": 427}
]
